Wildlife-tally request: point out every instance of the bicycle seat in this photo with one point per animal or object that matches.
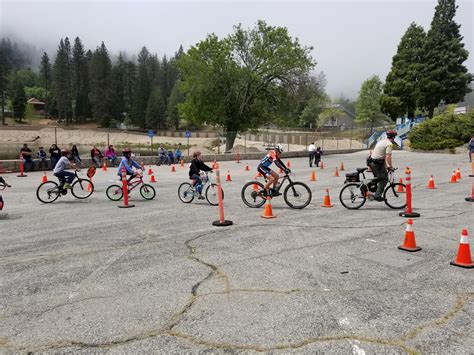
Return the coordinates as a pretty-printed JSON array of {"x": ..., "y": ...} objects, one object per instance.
[{"x": 361, "y": 170}]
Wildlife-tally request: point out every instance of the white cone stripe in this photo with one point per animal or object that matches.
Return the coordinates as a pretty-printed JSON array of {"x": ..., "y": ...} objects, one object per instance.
[
  {"x": 463, "y": 239},
  {"x": 409, "y": 228}
]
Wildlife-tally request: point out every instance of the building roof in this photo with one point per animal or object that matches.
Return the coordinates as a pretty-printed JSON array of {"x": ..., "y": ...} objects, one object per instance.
[{"x": 35, "y": 101}]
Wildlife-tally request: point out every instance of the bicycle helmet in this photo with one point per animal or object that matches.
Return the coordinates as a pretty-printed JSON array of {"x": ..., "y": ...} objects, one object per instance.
[
  {"x": 279, "y": 148},
  {"x": 196, "y": 154},
  {"x": 126, "y": 151},
  {"x": 391, "y": 133}
]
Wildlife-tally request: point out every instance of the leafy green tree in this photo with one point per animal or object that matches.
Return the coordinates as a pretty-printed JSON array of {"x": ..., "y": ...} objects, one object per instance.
[
  {"x": 28, "y": 77},
  {"x": 61, "y": 82},
  {"x": 18, "y": 98},
  {"x": 444, "y": 75},
  {"x": 368, "y": 102},
  {"x": 328, "y": 113},
  {"x": 4, "y": 82},
  {"x": 401, "y": 93},
  {"x": 176, "y": 98},
  {"x": 45, "y": 78},
  {"x": 101, "y": 86},
  {"x": 156, "y": 110},
  {"x": 237, "y": 81},
  {"x": 36, "y": 92}
]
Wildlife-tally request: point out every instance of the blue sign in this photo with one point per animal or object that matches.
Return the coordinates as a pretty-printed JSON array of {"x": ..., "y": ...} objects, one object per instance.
[
  {"x": 188, "y": 134},
  {"x": 151, "y": 133}
]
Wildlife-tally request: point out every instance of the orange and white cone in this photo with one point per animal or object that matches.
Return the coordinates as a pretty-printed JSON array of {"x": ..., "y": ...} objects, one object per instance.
[
  {"x": 150, "y": 172},
  {"x": 463, "y": 259},
  {"x": 89, "y": 187},
  {"x": 458, "y": 174},
  {"x": 247, "y": 167},
  {"x": 104, "y": 167},
  {"x": 321, "y": 165},
  {"x": 228, "y": 178},
  {"x": 327, "y": 200},
  {"x": 453, "y": 177},
  {"x": 152, "y": 178},
  {"x": 336, "y": 173},
  {"x": 44, "y": 178},
  {"x": 173, "y": 169},
  {"x": 288, "y": 164},
  {"x": 431, "y": 183},
  {"x": 400, "y": 187},
  {"x": 342, "y": 166},
  {"x": 313, "y": 176},
  {"x": 268, "y": 212},
  {"x": 409, "y": 244}
]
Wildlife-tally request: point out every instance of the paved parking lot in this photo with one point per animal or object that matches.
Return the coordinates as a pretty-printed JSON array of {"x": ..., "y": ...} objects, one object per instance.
[{"x": 88, "y": 276}]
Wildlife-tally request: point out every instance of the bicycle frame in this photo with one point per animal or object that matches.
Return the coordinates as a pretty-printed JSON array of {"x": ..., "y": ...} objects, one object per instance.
[
  {"x": 136, "y": 181},
  {"x": 282, "y": 179}
]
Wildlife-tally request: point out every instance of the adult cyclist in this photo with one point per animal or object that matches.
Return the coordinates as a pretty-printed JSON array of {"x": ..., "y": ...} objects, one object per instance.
[
  {"x": 129, "y": 164},
  {"x": 272, "y": 177}
]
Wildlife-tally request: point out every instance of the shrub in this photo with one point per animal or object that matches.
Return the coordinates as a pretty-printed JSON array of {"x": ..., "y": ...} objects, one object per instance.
[{"x": 443, "y": 131}]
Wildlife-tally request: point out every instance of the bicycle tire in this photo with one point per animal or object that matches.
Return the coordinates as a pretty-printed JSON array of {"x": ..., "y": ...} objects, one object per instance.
[
  {"x": 354, "y": 192},
  {"x": 84, "y": 186},
  {"x": 50, "y": 189},
  {"x": 297, "y": 194},
  {"x": 185, "y": 192},
  {"x": 114, "y": 192},
  {"x": 249, "y": 194},
  {"x": 213, "y": 192},
  {"x": 397, "y": 202},
  {"x": 147, "y": 191}
]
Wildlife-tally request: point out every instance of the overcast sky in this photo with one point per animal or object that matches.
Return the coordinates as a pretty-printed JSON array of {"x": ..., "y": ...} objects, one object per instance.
[{"x": 352, "y": 40}]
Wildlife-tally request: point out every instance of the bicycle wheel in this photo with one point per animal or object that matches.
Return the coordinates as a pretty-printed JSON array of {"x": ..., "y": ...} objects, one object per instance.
[
  {"x": 212, "y": 194},
  {"x": 114, "y": 192},
  {"x": 352, "y": 196},
  {"x": 82, "y": 188},
  {"x": 394, "y": 199},
  {"x": 48, "y": 192},
  {"x": 186, "y": 192},
  {"x": 147, "y": 192},
  {"x": 297, "y": 195},
  {"x": 251, "y": 194}
]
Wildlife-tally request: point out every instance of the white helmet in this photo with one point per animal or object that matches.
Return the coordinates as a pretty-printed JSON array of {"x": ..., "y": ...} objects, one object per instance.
[{"x": 279, "y": 147}]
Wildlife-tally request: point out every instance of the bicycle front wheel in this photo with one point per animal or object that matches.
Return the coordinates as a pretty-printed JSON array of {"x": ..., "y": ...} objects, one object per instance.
[
  {"x": 352, "y": 196},
  {"x": 114, "y": 192},
  {"x": 186, "y": 192},
  {"x": 82, "y": 188},
  {"x": 147, "y": 192},
  {"x": 394, "y": 199},
  {"x": 212, "y": 194},
  {"x": 48, "y": 192},
  {"x": 251, "y": 194},
  {"x": 297, "y": 195}
]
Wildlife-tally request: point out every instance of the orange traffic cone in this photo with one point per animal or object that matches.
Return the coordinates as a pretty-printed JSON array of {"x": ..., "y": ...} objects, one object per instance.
[
  {"x": 143, "y": 166},
  {"x": 259, "y": 174},
  {"x": 400, "y": 187},
  {"x": 409, "y": 244},
  {"x": 342, "y": 167},
  {"x": 152, "y": 178},
  {"x": 336, "y": 173},
  {"x": 463, "y": 259},
  {"x": 453, "y": 177},
  {"x": 214, "y": 164},
  {"x": 104, "y": 167},
  {"x": 247, "y": 167},
  {"x": 228, "y": 178},
  {"x": 458, "y": 174},
  {"x": 268, "y": 213},
  {"x": 173, "y": 169},
  {"x": 313, "y": 176},
  {"x": 288, "y": 164},
  {"x": 45, "y": 178},
  {"x": 89, "y": 187},
  {"x": 321, "y": 166},
  {"x": 182, "y": 163},
  {"x": 431, "y": 183},
  {"x": 150, "y": 172},
  {"x": 327, "y": 200}
]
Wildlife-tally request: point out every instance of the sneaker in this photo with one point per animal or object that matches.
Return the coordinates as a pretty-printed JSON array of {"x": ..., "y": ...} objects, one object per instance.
[
  {"x": 275, "y": 192},
  {"x": 379, "y": 198},
  {"x": 200, "y": 197},
  {"x": 67, "y": 186}
]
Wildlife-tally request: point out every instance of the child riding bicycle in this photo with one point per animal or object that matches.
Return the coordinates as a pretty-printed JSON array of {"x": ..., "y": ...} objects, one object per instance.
[
  {"x": 65, "y": 177},
  {"x": 194, "y": 169},
  {"x": 272, "y": 177},
  {"x": 129, "y": 164}
]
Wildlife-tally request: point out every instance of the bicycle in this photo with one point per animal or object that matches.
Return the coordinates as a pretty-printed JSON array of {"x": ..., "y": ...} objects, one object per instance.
[
  {"x": 254, "y": 194},
  {"x": 187, "y": 192},
  {"x": 49, "y": 191},
  {"x": 162, "y": 160},
  {"x": 115, "y": 193},
  {"x": 356, "y": 191}
]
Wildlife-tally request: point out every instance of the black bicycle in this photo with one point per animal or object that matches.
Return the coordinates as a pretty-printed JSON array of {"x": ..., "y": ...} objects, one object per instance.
[
  {"x": 297, "y": 195},
  {"x": 49, "y": 191},
  {"x": 356, "y": 191}
]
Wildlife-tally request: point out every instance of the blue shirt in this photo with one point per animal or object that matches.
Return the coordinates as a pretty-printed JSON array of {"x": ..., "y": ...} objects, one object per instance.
[{"x": 128, "y": 166}]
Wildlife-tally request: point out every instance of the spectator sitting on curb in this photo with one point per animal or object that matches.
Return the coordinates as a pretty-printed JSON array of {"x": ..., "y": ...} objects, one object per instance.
[
  {"x": 55, "y": 155},
  {"x": 111, "y": 155},
  {"x": 41, "y": 154},
  {"x": 75, "y": 155},
  {"x": 96, "y": 156},
  {"x": 26, "y": 154}
]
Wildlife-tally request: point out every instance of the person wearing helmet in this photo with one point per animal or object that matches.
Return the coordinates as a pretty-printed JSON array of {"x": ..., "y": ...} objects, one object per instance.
[
  {"x": 129, "y": 164},
  {"x": 195, "y": 168},
  {"x": 65, "y": 177},
  {"x": 380, "y": 162},
  {"x": 272, "y": 177}
]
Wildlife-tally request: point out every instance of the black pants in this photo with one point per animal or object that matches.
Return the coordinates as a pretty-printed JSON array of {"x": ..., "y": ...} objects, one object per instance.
[
  {"x": 380, "y": 172},
  {"x": 317, "y": 159},
  {"x": 311, "y": 158}
]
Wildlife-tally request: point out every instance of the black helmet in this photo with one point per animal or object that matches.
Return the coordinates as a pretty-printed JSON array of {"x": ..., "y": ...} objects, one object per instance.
[
  {"x": 391, "y": 133},
  {"x": 126, "y": 151}
]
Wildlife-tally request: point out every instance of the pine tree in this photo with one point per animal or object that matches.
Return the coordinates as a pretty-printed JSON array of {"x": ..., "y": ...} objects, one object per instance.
[
  {"x": 18, "y": 98},
  {"x": 67, "y": 47},
  {"x": 402, "y": 89},
  {"x": 61, "y": 82},
  {"x": 131, "y": 81},
  {"x": 119, "y": 88},
  {"x": 142, "y": 89},
  {"x": 174, "y": 100},
  {"x": 101, "y": 86},
  {"x": 45, "y": 79},
  {"x": 80, "y": 87},
  {"x": 4, "y": 73},
  {"x": 156, "y": 110},
  {"x": 444, "y": 75}
]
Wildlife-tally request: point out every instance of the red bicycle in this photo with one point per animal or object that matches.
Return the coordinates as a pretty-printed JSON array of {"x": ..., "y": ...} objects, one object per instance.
[{"x": 114, "y": 192}]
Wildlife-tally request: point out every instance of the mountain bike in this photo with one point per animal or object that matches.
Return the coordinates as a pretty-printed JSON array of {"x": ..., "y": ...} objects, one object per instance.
[
  {"x": 49, "y": 191},
  {"x": 356, "y": 191},
  {"x": 187, "y": 192},
  {"x": 115, "y": 193},
  {"x": 297, "y": 195}
]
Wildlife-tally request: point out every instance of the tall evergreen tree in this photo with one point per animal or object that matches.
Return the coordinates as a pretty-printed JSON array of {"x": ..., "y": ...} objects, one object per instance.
[
  {"x": 45, "y": 79},
  {"x": 156, "y": 110},
  {"x": 18, "y": 98},
  {"x": 4, "y": 74},
  {"x": 444, "y": 75},
  {"x": 80, "y": 87},
  {"x": 131, "y": 80},
  {"x": 402, "y": 86},
  {"x": 101, "y": 86},
  {"x": 68, "y": 49},
  {"x": 119, "y": 88},
  {"x": 176, "y": 98},
  {"x": 142, "y": 89},
  {"x": 61, "y": 82}
]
